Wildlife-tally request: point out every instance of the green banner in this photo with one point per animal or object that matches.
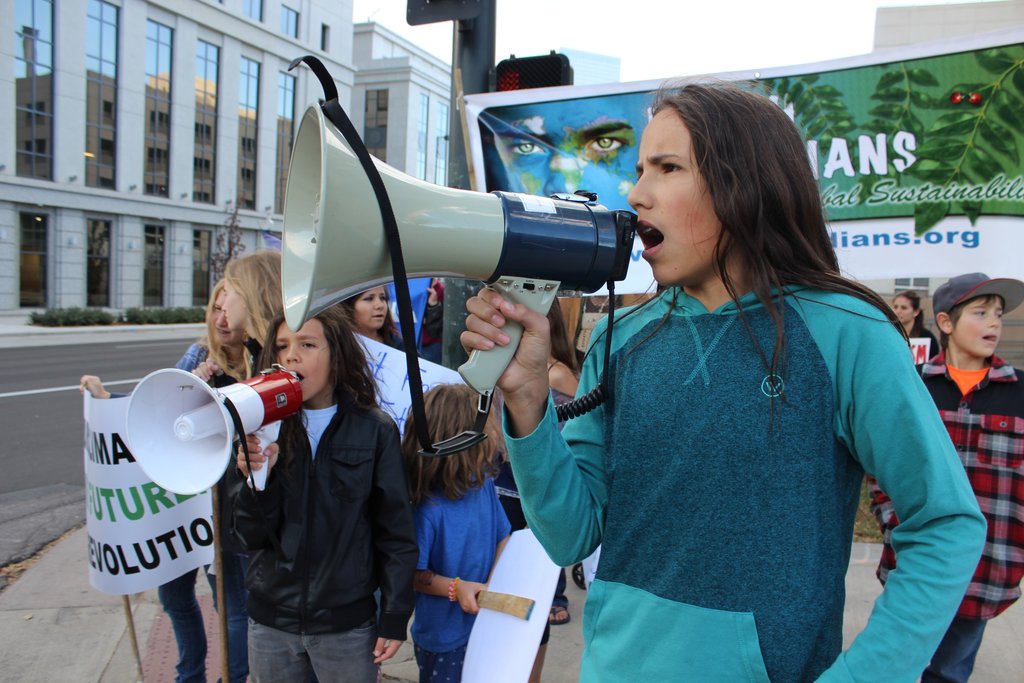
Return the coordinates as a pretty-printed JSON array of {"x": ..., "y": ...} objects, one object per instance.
[{"x": 926, "y": 137}]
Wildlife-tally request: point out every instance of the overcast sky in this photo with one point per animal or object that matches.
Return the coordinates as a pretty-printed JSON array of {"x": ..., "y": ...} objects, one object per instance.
[{"x": 664, "y": 38}]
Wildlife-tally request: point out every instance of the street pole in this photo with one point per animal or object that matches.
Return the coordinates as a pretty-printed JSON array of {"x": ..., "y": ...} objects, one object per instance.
[{"x": 473, "y": 59}]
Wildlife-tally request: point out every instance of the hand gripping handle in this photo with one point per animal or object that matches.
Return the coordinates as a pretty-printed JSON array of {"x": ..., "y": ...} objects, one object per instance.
[
  {"x": 483, "y": 368},
  {"x": 267, "y": 434}
]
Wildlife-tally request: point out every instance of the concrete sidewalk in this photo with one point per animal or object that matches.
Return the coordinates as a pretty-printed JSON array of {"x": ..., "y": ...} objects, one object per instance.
[
  {"x": 16, "y": 331},
  {"x": 54, "y": 627}
]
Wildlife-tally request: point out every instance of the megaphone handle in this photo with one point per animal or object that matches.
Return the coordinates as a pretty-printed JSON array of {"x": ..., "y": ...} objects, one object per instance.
[
  {"x": 483, "y": 368},
  {"x": 267, "y": 434}
]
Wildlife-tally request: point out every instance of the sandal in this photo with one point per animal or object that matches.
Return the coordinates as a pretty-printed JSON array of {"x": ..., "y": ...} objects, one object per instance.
[{"x": 559, "y": 615}]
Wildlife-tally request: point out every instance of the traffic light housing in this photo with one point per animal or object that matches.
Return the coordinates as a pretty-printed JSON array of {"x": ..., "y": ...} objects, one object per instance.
[{"x": 542, "y": 71}]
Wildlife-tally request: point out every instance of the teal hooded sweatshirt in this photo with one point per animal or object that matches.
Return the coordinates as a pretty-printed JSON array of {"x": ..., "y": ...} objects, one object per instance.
[{"x": 723, "y": 495}]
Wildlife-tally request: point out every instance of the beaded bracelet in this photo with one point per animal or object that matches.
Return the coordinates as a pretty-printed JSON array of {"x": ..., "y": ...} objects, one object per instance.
[{"x": 452, "y": 588}]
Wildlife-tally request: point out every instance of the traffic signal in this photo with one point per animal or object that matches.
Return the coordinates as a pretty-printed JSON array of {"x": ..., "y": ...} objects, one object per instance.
[{"x": 542, "y": 71}]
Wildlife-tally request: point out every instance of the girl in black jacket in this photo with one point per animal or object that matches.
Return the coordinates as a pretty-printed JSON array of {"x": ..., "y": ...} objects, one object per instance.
[{"x": 334, "y": 523}]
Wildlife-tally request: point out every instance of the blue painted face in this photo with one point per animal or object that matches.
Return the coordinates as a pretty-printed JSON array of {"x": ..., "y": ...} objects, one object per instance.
[{"x": 587, "y": 144}]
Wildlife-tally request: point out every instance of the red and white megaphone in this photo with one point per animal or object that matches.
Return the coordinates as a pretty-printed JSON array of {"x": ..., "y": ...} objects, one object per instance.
[{"x": 181, "y": 431}]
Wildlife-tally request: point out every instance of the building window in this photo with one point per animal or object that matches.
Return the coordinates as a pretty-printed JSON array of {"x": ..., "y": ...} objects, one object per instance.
[
  {"x": 285, "y": 132},
  {"x": 33, "y": 259},
  {"x": 325, "y": 37},
  {"x": 248, "y": 104},
  {"x": 98, "y": 262},
  {"x": 921, "y": 283},
  {"x": 200, "y": 267},
  {"x": 375, "y": 133},
  {"x": 421, "y": 137},
  {"x": 289, "y": 21},
  {"x": 101, "y": 94},
  {"x": 33, "y": 75},
  {"x": 153, "y": 273},
  {"x": 253, "y": 9},
  {"x": 158, "y": 109},
  {"x": 441, "y": 145},
  {"x": 203, "y": 166}
]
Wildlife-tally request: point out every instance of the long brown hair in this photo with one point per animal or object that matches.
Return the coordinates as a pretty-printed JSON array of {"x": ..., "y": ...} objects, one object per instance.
[
  {"x": 915, "y": 303},
  {"x": 349, "y": 374},
  {"x": 388, "y": 330},
  {"x": 450, "y": 409},
  {"x": 754, "y": 166}
]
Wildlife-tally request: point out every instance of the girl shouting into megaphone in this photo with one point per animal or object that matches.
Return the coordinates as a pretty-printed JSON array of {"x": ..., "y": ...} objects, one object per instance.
[
  {"x": 334, "y": 523},
  {"x": 745, "y": 402}
]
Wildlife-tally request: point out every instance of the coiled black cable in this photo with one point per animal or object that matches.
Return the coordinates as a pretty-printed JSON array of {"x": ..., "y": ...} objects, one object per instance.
[{"x": 582, "y": 405}]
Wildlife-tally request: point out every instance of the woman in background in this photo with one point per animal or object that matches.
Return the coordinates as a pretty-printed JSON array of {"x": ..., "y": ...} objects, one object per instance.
[
  {"x": 371, "y": 316},
  {"x": 907, "y": 306}
]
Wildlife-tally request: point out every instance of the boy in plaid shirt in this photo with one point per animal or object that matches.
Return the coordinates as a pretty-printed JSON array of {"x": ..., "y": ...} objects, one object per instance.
[{"x": 981, "y": 400}]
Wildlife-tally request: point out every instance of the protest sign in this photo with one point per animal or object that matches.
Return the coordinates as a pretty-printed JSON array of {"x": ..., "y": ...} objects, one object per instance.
[
  {"x": 388, "y": 366},
  {"x": 140, "y": 535}
]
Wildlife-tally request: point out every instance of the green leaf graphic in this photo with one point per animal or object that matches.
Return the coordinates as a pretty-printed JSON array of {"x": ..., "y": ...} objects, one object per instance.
[{"x": 926, "y": 215}]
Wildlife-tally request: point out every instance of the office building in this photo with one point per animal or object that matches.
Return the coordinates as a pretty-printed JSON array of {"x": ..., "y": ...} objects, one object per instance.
[{"x": 132, "y": 131}]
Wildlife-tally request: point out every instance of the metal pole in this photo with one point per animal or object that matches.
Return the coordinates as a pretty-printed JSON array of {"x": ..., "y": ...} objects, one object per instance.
[{"x": 472, "y": 61}]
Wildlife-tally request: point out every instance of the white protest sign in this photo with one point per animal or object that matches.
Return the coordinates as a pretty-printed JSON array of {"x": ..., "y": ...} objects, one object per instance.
[
  {"x": 920, "y": 347},
  {"x": 388, "y": 367},
  {"x": 502, "y": 647},
  {"x": 140, "y": 535}
]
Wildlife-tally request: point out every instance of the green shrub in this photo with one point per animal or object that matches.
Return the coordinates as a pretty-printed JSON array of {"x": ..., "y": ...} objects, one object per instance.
[
  {"x": 164, "y": 316},
  {"x": 71, "y": 317}
]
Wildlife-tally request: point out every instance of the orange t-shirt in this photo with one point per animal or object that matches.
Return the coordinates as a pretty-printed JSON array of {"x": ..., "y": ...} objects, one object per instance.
[{"x": 966, "y": 379}]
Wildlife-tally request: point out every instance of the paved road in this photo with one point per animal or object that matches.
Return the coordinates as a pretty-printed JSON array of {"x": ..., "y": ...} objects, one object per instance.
[
  {"x": 43, "y": 429},
  {"x": 41, "y": 488}
]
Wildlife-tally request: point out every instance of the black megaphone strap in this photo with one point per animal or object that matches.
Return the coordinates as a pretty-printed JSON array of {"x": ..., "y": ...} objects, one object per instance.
[{"x": 334, "y": 112}]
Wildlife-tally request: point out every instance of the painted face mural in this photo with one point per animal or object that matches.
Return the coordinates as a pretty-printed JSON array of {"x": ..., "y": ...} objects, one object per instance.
[{"x": 585, "y": 144}]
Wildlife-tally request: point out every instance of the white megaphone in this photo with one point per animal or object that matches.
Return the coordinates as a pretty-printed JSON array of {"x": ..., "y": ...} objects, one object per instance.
[
  {"x": 527, "y": 247},
  {"x": 180, "y": 429}
]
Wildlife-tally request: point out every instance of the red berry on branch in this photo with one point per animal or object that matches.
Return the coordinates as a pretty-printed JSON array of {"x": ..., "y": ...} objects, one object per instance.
[
  {"x": 957, "y": 97},
  {"x": 974, "y": 98}
]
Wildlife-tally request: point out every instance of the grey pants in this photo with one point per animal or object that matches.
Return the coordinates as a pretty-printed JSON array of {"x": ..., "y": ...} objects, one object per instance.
[{"x": 279, "y": 657}]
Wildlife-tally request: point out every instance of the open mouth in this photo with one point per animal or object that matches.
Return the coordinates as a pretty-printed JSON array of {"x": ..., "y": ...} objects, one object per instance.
[{"x": 649, "y": 235}]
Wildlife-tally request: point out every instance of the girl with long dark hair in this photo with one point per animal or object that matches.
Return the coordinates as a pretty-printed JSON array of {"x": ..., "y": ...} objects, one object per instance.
[
  {"x": 745, "y": 402},
  {"x": 334, "y": 523}
]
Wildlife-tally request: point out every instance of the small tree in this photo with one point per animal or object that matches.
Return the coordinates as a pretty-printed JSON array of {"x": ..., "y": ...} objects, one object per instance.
[{"x": 229, "y": 243}]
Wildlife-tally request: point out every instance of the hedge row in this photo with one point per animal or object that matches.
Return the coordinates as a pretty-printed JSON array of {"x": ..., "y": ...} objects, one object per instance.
[{"x": 74, "y": 317}]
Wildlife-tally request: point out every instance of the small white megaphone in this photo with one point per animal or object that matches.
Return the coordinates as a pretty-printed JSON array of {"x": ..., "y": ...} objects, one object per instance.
[
  {"x": 527, "y": 247},
  {"x": 181, "y": 432}
]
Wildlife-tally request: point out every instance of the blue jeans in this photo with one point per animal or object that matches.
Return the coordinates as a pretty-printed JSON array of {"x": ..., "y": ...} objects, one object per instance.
[
  {"x": 280, "y": 657},
  {"x": 560, "y": 598},
  {"x": 178, "y": 598},
  {"x": 953, "y": 662}
]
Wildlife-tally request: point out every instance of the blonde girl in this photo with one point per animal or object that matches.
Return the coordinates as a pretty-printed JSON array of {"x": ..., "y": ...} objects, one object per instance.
[{"x": 253, "y": 287}]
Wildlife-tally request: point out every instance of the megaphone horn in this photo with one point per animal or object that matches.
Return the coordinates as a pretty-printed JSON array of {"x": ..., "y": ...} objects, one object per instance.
[
  {"x": 181, "y": 431},
  {"x": 333, "y": 244}
]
